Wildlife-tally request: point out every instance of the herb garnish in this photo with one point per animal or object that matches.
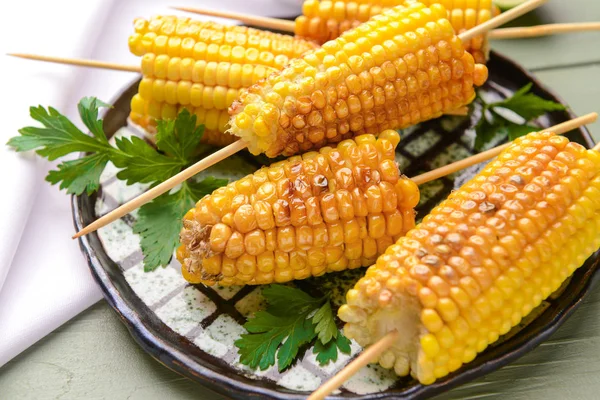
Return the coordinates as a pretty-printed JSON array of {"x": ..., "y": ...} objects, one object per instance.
[
  {"x": 177, "y": 144},
  {"x": 291, "y": 320},
  {"x": 525, "y": 104}
]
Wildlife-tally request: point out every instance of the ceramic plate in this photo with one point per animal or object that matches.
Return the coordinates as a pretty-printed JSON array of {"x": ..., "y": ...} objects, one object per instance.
[{"x": 191, "y": 328}]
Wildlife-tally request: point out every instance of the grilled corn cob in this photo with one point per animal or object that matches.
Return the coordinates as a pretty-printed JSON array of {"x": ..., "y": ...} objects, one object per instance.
[
  {"x": 324, "y": 211},
  {"x": 402, "y": 67},
  {"x": 482, "y": 260},
  {"x": 327, "y": 19},
  {"x": 202, "y": 66}
]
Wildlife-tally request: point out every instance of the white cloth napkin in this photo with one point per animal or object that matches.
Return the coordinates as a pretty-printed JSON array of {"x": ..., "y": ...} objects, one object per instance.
[{"x": 47, "y": 280}]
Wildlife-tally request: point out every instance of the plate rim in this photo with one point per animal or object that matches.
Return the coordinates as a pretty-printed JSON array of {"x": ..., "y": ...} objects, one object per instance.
[{"x": 177, "y": 361}]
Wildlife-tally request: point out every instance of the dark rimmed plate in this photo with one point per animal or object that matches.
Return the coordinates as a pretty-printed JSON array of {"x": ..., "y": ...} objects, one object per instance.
[{"x": 191, "y": 329}]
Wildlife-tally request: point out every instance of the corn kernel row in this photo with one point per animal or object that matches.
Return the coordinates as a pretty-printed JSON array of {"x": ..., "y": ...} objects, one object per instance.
[
  {"x": 327, "y": 19},
  {"x": 210, "y": 73},
  {"x": 382, "y": 75},
  {"x": 483, "y": 259},
  {"x": 324, "y": 211}
]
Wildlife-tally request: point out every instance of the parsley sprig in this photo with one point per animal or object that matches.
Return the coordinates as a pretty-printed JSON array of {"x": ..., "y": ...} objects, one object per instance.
[
  {"x": 177, "y": 146},
  {"x": 291, "y": 320},
  {"x": 494, "y": 121}
]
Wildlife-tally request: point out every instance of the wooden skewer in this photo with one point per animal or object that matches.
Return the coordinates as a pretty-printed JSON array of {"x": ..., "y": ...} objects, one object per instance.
[
  {"x": 366, "y": 357},
  {"x": 501, "y": 19},
  {"x": 377, "y": 348},
  {"x": 240, "y": 144},
  {"x": 491, "y": 153},
  {"x": 596, "y": 147},
  {"x": 163, "y": 187},
  {"x": 256, "y": 20},
  {"x": 78, "y": 61},
  {"x": 543, "y": 30},
  {"x": 95, "y": 64}
]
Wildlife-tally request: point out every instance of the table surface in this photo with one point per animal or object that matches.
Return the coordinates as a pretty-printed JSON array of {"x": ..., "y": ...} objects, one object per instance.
[{"x": 93, "y": 356}]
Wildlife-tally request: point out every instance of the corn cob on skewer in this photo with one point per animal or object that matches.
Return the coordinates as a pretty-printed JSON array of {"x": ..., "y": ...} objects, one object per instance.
[
  {"x": 402, "y": 67},
  {"x": 322, "y": 212},
  {"x": 202, "y": 66},
  {"x": 324, "y": 20},
  {"x": 473, "y": 268}
]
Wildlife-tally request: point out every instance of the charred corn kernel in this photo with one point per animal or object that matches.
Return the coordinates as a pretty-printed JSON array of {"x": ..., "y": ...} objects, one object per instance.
[
  {"x": 326, "y": 20},
  {"x": 158, "y": 36},
  {"x": 377, "y": 83},
  {"x": 300, "y": 215},
  {"x": 472, "y": 269}
]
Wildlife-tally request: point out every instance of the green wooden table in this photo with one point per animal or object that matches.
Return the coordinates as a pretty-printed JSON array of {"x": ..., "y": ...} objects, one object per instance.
[{"x": 93, "y": 356}]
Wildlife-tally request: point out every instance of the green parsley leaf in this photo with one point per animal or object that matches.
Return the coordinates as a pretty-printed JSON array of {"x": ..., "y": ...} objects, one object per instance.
[
  {"x": 88, "y": 111},
  {"x": 286, "y": 300},
  {"x": 57, "y": 138},
  {"x": 494, "y": 127},
  {"x": 329, "y": 352},
  {"x": 178, "y": 142},
  {"x": 527, "y": 105},
  {"x": 325, "y": 324},
  {"x": 288, "y": 323},
  {"x": 159, "y": 221},
  {"x": 142, "y": 163},
  {"x": 266, "y": 332},
  {"x": 180, "y": 137},
  {"x": 82, "y": 174},
  {"x": 301, "y": 333}
]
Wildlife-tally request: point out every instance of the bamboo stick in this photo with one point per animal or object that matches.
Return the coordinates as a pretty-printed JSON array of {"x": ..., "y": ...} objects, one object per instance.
[
  {"x": 371, "y": 353},
  {"x": 543, "y": 30},
  {"x": 491, "y": 153},
  {"x": 79, "y": 62},
  {"x": 256, "y": 20},
  {"x": 501, "y": 19},
  {"x": 162, "y": 188}
]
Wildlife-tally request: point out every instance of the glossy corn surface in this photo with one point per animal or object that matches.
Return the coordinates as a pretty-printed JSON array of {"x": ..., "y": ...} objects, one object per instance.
[
  {"x": 202, "y": 66},
  {"x": 482, "y": 260},
  {"x": 324, "y": 20},
  {"x": 325, "y": 211},
  {"x": 402, "y": 67}
]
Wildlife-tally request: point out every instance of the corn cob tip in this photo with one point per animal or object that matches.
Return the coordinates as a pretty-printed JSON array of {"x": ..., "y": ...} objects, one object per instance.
[{"x": 481, "y": 260}]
